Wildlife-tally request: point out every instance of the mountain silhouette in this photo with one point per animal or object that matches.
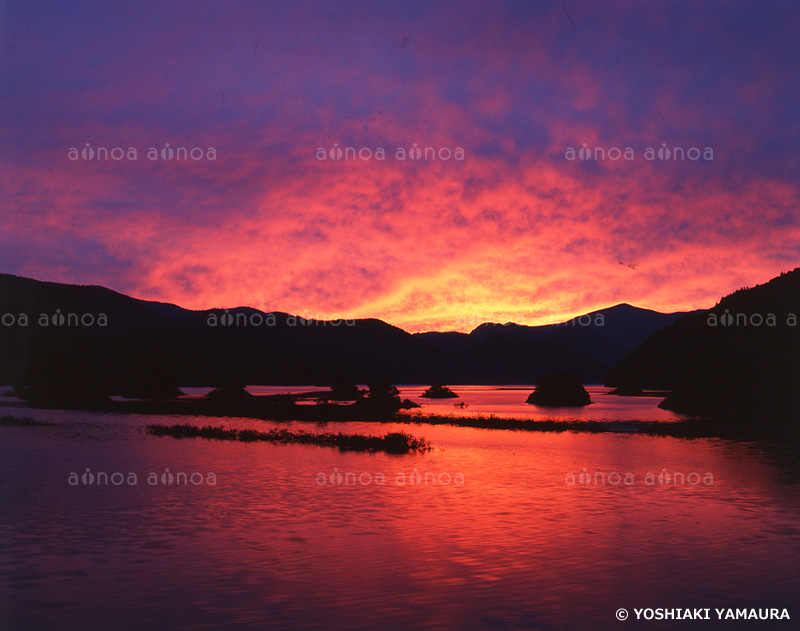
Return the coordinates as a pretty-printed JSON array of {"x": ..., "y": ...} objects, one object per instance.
[
  {"x": 739, "y": 359},
  {"x": 148, "y": 349},
  {"x": 590, "y": 343}
]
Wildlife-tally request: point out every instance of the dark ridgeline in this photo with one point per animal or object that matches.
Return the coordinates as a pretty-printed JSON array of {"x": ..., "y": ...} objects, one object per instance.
[
  {"x": 740, "y": 357},
  {"x": 605, "y": 336},
  {"x": 148, "y": 349},
  {"x": 590, "y": 344},
  {"x": 739, "y": 361}
]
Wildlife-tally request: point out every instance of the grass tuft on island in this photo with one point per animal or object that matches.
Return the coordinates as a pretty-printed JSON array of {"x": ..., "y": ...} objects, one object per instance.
[{"x": 392, "y": 442}]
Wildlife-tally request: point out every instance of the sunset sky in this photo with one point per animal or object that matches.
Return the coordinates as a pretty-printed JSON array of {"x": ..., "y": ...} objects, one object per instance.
[{"x": 513, "y": 231}]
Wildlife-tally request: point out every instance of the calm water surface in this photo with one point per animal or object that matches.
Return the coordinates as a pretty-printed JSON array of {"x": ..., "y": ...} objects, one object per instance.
[{"x": 499, "y": 531}]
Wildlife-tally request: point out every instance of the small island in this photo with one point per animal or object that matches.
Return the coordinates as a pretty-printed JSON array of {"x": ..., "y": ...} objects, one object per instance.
[
  {"x": 229, "y": 392},
  {"x": 438, "y": 391},
  {"x": 560, "y": 390},
  {"x": 630, "y": 389}
]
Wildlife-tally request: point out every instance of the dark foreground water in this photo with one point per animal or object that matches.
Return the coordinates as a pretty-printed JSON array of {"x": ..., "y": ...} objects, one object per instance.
[{"x": 490, "y": 530}]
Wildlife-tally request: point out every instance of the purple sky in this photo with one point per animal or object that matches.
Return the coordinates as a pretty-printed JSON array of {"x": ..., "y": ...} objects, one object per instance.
[{"x": 514, "y": 231}]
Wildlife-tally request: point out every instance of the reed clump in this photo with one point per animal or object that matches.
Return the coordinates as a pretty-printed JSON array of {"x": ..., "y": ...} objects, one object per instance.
[{"x": 392, "y": 442}]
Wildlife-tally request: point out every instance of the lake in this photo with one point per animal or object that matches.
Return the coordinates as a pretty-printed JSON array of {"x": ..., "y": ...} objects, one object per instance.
[{"x": 492, "y": 529}]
